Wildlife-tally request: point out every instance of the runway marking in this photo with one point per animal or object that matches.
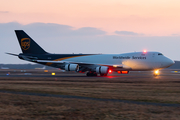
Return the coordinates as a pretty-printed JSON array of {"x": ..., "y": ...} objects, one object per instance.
[{"x": 90, "y": 98}]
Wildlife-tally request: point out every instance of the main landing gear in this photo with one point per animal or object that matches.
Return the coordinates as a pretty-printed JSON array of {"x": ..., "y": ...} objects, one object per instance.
[
  {"x": 103, "y": 74},
  {"x": 94, "y": 74},
  {"x": 91, "y": 73}
]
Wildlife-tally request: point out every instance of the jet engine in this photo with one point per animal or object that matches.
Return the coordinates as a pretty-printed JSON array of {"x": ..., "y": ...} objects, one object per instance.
[
  {"x": 72, "y": 67},
  {"x": 102, "y": 70}
]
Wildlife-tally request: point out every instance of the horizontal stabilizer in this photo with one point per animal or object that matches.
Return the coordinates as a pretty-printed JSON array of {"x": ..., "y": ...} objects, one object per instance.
[{"x": 12, "y": 54}]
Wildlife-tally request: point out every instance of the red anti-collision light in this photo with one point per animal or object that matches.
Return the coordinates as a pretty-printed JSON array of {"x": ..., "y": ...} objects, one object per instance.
[
  {"x": 145, "y": 51},
  {"x": 110, "y": 71}
]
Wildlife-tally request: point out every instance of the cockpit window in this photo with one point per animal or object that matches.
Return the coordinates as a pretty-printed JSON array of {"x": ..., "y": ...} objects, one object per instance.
[{"x": 160, "y": 54}]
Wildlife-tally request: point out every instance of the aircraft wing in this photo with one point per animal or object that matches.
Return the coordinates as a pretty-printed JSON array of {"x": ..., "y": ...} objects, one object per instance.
[{"x": 84, "y": 63}]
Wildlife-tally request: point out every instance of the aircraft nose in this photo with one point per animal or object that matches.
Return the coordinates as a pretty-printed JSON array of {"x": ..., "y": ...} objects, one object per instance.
[{"x": 169, "y": 62}]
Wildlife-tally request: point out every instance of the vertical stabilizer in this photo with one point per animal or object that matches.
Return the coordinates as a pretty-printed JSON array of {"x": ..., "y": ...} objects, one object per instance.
[{"x": 28, "y": 45}]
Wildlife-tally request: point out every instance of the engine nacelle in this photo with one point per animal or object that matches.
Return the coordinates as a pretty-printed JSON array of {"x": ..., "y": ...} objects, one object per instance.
[
  {"x": 102, "y": 70},
  {"x": 72, "y": 67}
]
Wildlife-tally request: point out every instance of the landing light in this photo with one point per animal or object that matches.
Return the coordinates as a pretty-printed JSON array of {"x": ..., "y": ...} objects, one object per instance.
[{"x": 156, "y": 72}]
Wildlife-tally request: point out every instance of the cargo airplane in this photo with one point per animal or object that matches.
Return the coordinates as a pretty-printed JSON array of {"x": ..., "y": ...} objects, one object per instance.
[{"x": 93, "y": 64}]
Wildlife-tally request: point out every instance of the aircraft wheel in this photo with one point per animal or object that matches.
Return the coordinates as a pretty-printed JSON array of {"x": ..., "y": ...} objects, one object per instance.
[
  {"x": 155, "y": 75},
  {"x": 87, "y": 74},
  {"x": 94, "y": 74},
  {"x": 103, "y": 74},
  {"x": 91, "y": 74}
]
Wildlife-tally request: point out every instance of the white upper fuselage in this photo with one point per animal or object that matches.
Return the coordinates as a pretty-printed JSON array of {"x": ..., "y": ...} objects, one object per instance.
[{"x": 129, "y": 61}]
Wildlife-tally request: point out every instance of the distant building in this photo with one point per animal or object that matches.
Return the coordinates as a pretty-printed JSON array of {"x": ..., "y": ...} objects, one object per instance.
[{"x": 4, "y": 68}]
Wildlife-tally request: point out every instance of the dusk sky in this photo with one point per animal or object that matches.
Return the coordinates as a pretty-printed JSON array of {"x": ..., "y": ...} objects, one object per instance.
[{"x": 91, "y": 26}]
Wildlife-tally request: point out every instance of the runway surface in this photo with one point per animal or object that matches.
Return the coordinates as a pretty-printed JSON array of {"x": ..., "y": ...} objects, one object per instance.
[
  {"x": 89, "y": 98},
  {"x": 132, "y": 74},
  {"x": 133, "y": 77}
]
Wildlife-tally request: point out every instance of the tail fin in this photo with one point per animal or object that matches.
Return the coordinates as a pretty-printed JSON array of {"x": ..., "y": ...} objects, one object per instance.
[{"x": 28, "y": 45}]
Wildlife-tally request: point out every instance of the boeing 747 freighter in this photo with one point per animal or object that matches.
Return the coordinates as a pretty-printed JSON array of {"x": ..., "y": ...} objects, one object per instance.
[{"x": 93, "y": 64}]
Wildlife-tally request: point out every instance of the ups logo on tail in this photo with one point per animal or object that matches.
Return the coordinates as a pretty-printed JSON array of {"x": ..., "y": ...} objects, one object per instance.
[{"x": 25, "y": 43}]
